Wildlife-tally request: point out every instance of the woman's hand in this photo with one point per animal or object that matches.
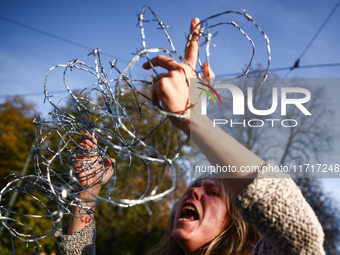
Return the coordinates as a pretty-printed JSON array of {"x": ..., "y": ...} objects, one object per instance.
[
  {"x": 172, "y": 90},
  {"x": 92, "y": 170}
]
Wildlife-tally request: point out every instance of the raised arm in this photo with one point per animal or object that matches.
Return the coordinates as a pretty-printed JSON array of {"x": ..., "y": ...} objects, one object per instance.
[
  {"x": 275, "y": 206},
  {"x": 172, "y": 91},
  {"x": 92, "y": 175},
  {"x": 93, "y": 172}
]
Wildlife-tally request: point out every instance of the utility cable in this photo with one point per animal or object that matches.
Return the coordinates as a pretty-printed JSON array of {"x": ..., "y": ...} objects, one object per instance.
[
  {"x": 59, "y": 38},
  {"x": 282, "y": 69},
  {"x": 297, "y": 62},
  {"x": 219, "y": 75}
]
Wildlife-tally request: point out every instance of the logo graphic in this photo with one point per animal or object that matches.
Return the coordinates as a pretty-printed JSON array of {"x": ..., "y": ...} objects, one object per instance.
[
  {"x": 209, "y": 93},
  {"x": 239, "y": 100}
]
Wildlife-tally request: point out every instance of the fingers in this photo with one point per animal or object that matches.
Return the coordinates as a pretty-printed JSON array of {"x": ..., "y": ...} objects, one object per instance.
[
  {"x": 88, "y": 141},
  {"x": 87, "y": 163},
  {"x": 154, "y": 91},
  {"x": 110, "y": 162},
  {"x": 155, "y": 97},
  {"x": 158, "y": 77},
  {"x": 207, "y": 71},
  {"x": 191, "y": 51},
  {"x": 162, "y": 61},
  {"x": 92, "y": 170}
]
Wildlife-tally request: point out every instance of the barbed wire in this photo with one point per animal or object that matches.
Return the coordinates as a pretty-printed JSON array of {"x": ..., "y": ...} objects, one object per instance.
[{"x": 112, "y": 110}]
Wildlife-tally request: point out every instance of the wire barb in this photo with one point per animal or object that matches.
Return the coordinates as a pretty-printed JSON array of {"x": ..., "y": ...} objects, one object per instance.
[{"x": 112, "y": 109}]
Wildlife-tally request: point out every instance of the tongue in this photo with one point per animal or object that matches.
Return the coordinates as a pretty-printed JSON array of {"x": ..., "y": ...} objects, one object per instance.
[{"x": 189, "y": 217}]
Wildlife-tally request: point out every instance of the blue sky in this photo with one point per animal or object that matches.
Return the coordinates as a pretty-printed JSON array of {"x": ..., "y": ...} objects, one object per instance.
[{"x": 26, "y": 55}]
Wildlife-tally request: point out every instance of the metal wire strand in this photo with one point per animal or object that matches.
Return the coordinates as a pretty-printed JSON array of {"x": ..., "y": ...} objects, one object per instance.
[{"x": 112, "y": 109}]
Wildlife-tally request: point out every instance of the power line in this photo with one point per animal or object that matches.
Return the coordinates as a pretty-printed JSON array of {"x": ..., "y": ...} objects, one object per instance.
[
  {"x": 282, "y": 69},
  {"x": 220, "y": 75},
  {"x": 297, "y": 62},
  {"x": 33, "y": 94},
  {"x": 59, "y": 38},
  {"x": 319, "y": 30}
]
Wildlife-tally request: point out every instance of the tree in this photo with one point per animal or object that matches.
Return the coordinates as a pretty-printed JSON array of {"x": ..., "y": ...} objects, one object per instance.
[
  {"x": 124, "y": 230},
  {"x": 311, "y": 138},
  {"x": 325, "y": 208},
  {"x": 135, "y": 230},
  {"x": 17, "y": 133},
  {"x": 308, "y": 142},
  {"x": 132, "y": 230}
]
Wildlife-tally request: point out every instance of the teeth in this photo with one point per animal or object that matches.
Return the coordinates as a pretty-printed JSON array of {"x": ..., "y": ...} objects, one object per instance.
[
  {"x": 183, "y": 219},
  {"x": 186, "y": 215},
  {"x": 189, "y": 208}
]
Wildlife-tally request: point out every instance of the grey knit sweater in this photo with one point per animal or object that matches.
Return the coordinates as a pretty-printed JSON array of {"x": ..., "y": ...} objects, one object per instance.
[{"x": 275, "y": 206}]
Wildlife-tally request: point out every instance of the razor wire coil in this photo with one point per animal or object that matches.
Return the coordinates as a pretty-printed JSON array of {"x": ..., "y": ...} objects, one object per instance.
[{"x": 101, "y": 109}]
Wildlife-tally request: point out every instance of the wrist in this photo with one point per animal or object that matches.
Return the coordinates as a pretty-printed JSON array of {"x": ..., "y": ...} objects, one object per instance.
[
  {"x": 200, "y": 125},
  {"x": 89, "y": 195},
  {"x": 182, "y": 124}
]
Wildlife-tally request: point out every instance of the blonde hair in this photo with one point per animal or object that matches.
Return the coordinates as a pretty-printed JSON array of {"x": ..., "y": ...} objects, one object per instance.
[{"x": 237, "y": 238}]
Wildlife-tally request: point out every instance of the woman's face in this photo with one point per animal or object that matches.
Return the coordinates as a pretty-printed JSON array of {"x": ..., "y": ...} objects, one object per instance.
[{"x": 201, "y": 215}]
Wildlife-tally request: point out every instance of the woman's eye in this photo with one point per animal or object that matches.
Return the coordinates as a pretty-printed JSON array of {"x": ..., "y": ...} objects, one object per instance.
[{"x": 213, "y": 193}]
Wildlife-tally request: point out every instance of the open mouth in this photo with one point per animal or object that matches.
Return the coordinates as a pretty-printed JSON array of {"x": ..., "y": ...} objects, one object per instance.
[{"x": 189, "y": 213}]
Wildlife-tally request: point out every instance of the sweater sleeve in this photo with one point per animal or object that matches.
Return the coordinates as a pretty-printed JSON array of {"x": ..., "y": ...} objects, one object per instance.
[
  {"x": 277, "y": 208},
  {"x": 78, "y": 243}
]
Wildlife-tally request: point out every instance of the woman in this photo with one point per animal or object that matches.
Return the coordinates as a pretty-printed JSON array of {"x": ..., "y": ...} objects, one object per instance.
[
  {"x": 205, "y": 221},
  {"x": 207, "y": 203}
]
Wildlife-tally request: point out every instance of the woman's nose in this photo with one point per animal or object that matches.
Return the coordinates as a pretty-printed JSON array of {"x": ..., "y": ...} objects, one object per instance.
[{"x": 195, "y": 193}]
